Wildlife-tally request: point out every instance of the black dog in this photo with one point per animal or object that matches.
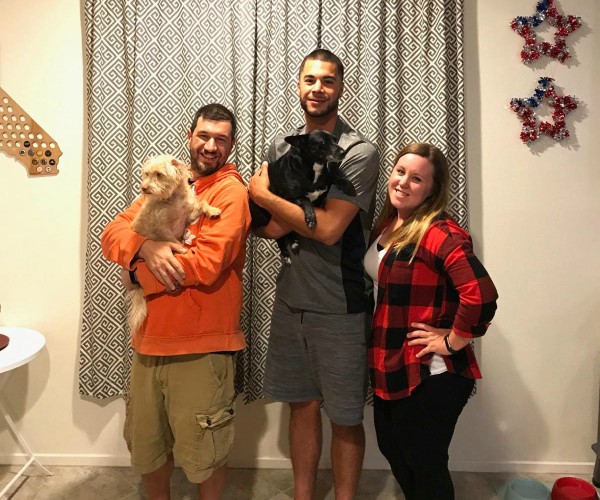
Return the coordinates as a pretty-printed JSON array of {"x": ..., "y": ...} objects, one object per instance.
[{"x": 303, "y": 175}]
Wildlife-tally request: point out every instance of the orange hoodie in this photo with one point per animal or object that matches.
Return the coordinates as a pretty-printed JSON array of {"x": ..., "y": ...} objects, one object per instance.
[{"x": 205, "y": 315}]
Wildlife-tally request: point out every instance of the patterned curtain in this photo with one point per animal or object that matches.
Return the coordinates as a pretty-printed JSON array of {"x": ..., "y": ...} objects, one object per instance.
[{"x": 150, "y": 65}]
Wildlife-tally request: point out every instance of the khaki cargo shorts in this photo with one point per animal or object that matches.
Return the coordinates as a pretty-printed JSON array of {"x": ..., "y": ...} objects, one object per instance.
[{"x": 184, "y": 405}]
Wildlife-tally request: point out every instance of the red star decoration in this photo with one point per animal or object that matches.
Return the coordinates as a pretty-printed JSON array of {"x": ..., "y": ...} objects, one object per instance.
[
  {"x": 565, "y": 25},
  {"x": 561, "y": 106}
]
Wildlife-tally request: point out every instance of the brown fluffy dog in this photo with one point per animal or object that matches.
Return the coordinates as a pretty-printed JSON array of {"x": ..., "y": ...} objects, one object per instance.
[{"x": 170, "y": 205}]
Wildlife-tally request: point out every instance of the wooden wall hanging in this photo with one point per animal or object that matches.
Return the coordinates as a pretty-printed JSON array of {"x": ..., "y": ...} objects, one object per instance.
[{"x": 22, "y": 138}]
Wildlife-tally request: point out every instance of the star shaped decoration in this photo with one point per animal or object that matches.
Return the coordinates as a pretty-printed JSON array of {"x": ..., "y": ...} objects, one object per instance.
[
  {"x": 561, "y": 106},
  {"x": 525, "y": 26}
]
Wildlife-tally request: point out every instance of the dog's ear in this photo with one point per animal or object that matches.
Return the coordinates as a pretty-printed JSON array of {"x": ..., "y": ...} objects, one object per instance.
[
  {"x": 182, "y": 168},
  {"x": 326, "y": 136},
  {"x": 297, "y": 140}
]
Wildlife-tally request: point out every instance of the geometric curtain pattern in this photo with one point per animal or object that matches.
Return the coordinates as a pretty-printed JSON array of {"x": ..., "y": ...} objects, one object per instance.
[{"x": 150, "y": 65}]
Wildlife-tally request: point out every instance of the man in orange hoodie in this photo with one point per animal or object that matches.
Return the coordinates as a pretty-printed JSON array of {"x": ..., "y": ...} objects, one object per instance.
[{"x": 180, "y": 401}]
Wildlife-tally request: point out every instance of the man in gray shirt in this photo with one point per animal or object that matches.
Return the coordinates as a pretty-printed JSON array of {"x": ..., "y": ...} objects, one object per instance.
[{"x": 317, "y": 351}]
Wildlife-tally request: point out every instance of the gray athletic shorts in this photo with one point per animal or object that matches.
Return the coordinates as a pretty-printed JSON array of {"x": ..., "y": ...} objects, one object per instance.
[{"x": 318, "y": 356}]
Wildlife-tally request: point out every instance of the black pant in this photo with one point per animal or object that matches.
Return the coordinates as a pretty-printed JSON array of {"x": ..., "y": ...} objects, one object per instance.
[{"x": 414, "y": 434}]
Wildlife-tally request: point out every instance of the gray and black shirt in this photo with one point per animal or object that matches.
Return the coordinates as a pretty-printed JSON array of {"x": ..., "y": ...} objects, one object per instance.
[{"x": 330, "y": 278}]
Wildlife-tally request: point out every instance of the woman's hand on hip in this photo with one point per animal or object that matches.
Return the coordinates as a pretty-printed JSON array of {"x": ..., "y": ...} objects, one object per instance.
[{"x": 431, "y": 338}]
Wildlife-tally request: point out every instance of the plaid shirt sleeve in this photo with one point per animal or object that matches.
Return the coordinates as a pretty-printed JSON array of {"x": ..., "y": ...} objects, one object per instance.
[
  {"x": 445, "y": 286},
  {"x": 449, "y": 249}
]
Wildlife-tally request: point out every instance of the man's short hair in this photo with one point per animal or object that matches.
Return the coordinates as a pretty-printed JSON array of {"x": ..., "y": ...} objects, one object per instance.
[
  {"x": 216, "y": 112},
  {"x": 327, "y": 56}
]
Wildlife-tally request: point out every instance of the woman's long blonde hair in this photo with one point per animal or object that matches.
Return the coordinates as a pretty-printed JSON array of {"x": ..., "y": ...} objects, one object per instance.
[{"x": 413, "y": 229}]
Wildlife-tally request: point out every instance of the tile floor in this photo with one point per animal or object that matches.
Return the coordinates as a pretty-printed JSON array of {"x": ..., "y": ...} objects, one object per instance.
[{"x": 119, "y": 483}]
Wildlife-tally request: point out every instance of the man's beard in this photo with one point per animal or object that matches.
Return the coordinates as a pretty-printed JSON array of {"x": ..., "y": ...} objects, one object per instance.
[
  {"x": 331, "y": 108},
  {"x": 200, "y": 168}
]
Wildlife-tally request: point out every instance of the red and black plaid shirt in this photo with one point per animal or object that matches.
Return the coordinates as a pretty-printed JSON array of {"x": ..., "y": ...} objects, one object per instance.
[{"x": 446, "y": 287}]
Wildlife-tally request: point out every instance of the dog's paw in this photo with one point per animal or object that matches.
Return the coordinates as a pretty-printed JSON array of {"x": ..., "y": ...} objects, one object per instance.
[
  {"x": 212, "y": 212},
  {"x": 202, "y": 207}
]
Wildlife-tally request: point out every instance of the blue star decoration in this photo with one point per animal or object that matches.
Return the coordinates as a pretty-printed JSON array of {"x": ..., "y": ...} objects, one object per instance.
[
  {"x": 525, "y": 26},
  {"x": 561, "y": 106}
]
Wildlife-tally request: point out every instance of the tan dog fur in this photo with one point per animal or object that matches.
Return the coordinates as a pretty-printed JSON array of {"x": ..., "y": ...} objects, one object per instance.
[{"x": 170, "y": 205}]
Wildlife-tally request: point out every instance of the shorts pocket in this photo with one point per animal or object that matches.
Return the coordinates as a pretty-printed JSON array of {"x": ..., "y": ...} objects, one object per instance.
[
  {"x": 220, "y": 366},
  {"x": 215, "y": 435}
]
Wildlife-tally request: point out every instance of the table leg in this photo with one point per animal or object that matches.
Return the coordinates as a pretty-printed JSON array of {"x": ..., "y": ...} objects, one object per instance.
[{"x": 32, "y": 459}]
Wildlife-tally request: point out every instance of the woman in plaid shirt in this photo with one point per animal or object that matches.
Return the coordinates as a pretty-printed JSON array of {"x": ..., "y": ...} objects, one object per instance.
[{"x": 432, "y": 297}]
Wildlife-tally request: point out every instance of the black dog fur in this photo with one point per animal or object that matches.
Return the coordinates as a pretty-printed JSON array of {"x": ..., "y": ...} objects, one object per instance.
[{"x": 303, "y": 175}]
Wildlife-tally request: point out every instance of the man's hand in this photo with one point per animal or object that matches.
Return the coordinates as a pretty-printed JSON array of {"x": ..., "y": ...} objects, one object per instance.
[
  {"x": 258, "y": 186},
  {"x": 161, "y": 262}
]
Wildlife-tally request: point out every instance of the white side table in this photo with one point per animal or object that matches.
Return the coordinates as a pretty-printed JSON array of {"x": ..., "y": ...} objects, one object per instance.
[{"x": 24, "y": 345}]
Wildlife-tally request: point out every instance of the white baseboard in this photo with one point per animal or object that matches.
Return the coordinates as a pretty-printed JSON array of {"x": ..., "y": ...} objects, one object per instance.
[
  {"x": 284, "y": 463},
  {"x": 522, "y": 466},
  {"x": 457, "y": 465},
  {"x": 69, "y": 460}
]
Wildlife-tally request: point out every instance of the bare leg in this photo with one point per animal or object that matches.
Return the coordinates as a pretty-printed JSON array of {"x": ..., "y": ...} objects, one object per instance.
[
  {"x": 347, "y": 452},
  {"x": 158, "y": 483},
  {"x": 212, "y": 488},
  {"x": 306, "y": 437}
]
